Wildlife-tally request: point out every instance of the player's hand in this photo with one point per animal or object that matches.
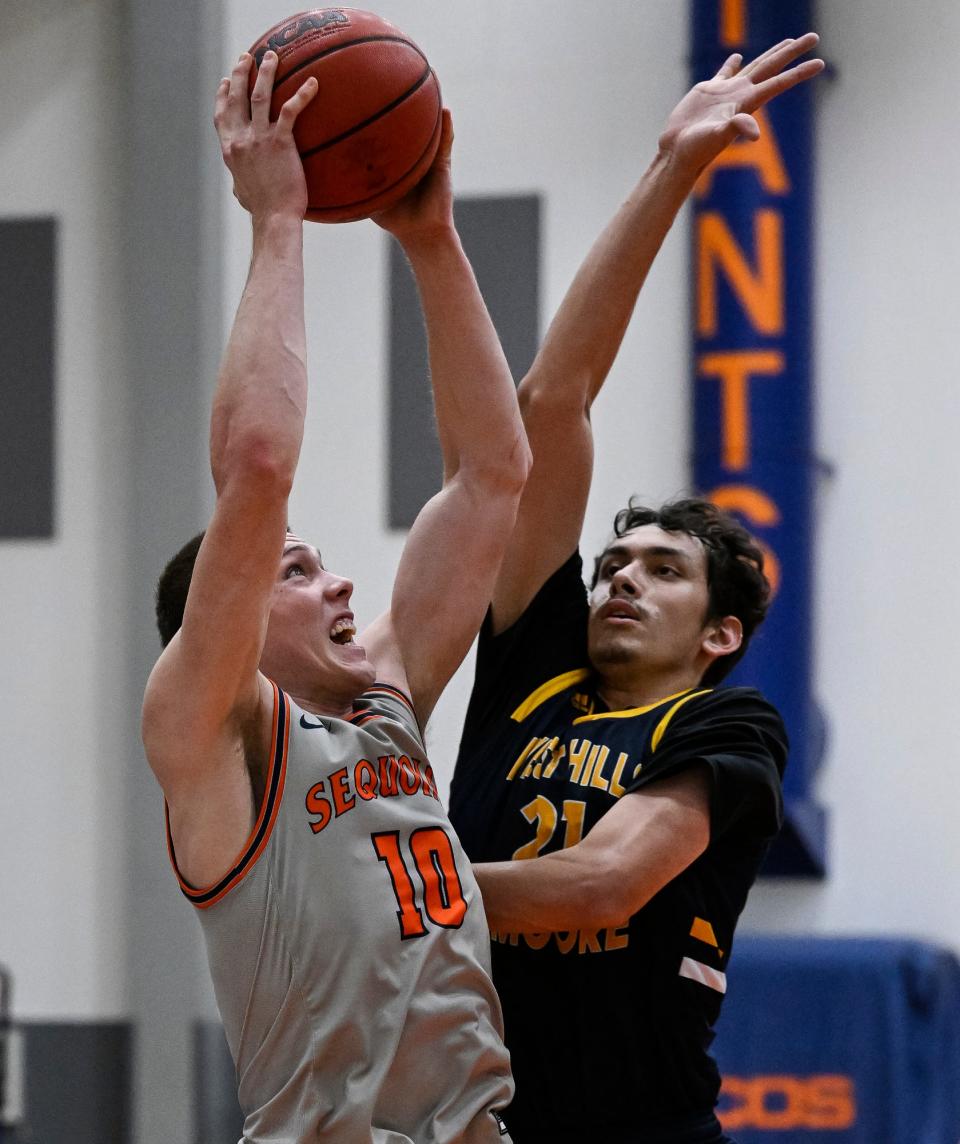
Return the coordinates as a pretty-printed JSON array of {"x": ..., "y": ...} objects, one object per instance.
[
  {"x": 717, "y": 111},
  {"x": 428, "y": 209},
  {"x": 262, "y": 156}
]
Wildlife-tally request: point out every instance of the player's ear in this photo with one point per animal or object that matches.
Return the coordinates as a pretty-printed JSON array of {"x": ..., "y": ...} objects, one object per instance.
[{"x": 721, "y": 637}]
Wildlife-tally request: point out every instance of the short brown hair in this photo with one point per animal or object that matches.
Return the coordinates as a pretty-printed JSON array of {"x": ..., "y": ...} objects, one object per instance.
[
  {"x": 736, "y": 581},
  {"x": 173, "y": 586}
]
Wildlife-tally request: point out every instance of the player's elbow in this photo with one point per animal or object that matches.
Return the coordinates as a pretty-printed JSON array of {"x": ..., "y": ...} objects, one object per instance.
[
  {"x": 252, "y": 461},
  {"x": 605, "y": 896},
  {"x": 503, "y": 474},
  {"x": 554, "y": 403}
]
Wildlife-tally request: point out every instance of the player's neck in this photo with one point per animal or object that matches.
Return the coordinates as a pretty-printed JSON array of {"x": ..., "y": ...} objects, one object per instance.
[
  {"x": 323, "y": 706},
  {"x": 623, "y": 692},
  {"x": 320, "y": 700}
]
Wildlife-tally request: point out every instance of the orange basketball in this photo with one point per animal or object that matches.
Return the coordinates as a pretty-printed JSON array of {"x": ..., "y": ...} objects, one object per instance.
[{"x": 370, "y": 133}]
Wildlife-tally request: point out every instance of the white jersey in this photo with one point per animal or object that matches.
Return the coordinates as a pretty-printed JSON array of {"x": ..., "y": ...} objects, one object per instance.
[{"x": 349, "y": 948}]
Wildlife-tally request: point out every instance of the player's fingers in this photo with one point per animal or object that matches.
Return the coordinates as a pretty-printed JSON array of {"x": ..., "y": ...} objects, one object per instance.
[
  {"x": 220, "y": 102},
  {"x": 263, "y": 90},
  {"x": 751, "y": 67},
  {"x": 296, "y": 103},
  {"x": 746, "y": 126},
  {"x": 237, "y": 108},
  {"x": 730, "y": 66},
  {"x": 784, "y": 56},
  {"x": 762, "y": 93},
  {"x": 446, "y": 136}
]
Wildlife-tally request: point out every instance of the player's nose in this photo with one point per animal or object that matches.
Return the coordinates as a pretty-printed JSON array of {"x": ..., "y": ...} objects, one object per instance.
[
  {"x": 623, "y": 583},
  {"x": 338, "y": 587}
]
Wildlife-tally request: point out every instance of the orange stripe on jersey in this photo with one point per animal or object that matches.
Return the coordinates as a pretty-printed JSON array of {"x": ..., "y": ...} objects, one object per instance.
[
  {"x": 383, "y": 691},
  {"x": 204, "y": 897}
]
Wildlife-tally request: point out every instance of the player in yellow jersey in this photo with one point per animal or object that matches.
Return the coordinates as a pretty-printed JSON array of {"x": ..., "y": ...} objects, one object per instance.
[{"x": 596, "y": 743}]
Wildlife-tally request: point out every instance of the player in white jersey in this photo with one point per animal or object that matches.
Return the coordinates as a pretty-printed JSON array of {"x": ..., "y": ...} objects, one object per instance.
[{"x": 345, "y": 932}]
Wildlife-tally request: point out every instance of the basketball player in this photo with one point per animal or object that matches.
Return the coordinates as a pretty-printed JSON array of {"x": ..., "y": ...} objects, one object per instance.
[
  {"x": 595, "y": 742},
  {"x": 344, "y": 929}
]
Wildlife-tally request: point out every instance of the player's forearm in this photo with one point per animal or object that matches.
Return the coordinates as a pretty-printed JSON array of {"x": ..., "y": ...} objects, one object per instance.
[
  {"x": 559, "y": 891},
  {"x": 585, "y": 335},
  {"x": 260, "y": 402},
  {"x": 475, "y": 398}
]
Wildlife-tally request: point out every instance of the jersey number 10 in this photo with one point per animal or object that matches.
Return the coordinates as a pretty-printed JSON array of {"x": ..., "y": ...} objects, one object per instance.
[{"x": 433, "y": 858}]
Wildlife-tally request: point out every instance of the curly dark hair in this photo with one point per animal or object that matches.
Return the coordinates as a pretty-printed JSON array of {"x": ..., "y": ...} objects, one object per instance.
[
  {"x": 736, "y": 582},
  {"x": 173, "y": 586}
]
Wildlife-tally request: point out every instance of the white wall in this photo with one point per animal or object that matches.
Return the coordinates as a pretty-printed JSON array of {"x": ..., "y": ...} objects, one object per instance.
[{"x": 62, "y": 649}]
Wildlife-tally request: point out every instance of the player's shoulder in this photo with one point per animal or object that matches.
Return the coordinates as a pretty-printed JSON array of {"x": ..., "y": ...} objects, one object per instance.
[
  {"x": 547, "y": 641},
  {"x": 386, "y": 701},
  {"x": 732, "y": 701},
  {"x": 729, "y": 708},
  {"x": 563, "y": 588}
]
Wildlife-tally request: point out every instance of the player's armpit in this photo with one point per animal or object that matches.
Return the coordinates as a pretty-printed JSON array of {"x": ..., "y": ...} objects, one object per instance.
[
  {"x": 639, "y": 846},
  {"x": 212, "y": 782}
]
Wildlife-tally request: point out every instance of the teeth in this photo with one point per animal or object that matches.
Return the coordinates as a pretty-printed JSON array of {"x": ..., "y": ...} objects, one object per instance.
[{"x": 343, "y": 631}]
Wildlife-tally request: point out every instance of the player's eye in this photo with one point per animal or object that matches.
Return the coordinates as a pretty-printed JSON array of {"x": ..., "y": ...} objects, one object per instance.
[
  {"x": 293, "y": 570},
  {"x": 667, "y": 571}
]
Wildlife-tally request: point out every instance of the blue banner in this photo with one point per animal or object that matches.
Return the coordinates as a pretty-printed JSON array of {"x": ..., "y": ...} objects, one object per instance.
[
  {"x": 840, "y": 1041},
  {"x": 752, "y": 379}
]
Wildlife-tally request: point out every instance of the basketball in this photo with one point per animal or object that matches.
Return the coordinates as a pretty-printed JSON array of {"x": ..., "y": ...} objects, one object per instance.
[{"x": 371, "y": 132}]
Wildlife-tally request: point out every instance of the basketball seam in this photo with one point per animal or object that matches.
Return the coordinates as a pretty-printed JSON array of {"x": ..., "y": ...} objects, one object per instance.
[
  {"x": 340, "y": 47},
  {"x": 359, "y": 202},
  {"x": 370, "y": 119}
]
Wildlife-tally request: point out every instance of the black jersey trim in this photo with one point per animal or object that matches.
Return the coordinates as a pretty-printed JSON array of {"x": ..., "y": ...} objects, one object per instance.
[{"x": 205, "y": 896}]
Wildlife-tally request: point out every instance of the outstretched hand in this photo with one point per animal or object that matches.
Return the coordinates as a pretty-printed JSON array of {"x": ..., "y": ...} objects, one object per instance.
[
  {"x": 717, "y": 111},
  {"x": 262, "y": 156},
  {"x": 428, "y": 208}
]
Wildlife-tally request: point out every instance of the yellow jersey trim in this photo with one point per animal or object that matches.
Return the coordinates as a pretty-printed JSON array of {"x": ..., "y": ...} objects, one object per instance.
[
  {"x": 629, "y": 712},
  {"x": 665, "y": 721},
  {"x": 703, "y": 931},
  {"x": 547, "y": 691}
]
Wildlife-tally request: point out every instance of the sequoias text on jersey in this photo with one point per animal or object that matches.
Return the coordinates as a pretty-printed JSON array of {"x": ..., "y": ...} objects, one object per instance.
[{"x": 388, "y": 777}]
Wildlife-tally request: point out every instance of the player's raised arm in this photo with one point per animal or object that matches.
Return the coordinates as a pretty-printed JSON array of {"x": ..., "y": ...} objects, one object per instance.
[
  {"x": 204, "y": 695},
  {"x": 585, "y": 335},
  {"x": 451, "y": 557}
]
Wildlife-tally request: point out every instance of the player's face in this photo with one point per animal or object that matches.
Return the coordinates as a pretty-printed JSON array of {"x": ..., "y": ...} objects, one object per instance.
[
  {"x": 648, "y": 609},
  {"x": 310, "y": 649}
]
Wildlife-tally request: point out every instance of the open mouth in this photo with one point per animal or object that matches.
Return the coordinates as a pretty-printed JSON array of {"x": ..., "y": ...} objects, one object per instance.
[{"x": 342, "y": 633}]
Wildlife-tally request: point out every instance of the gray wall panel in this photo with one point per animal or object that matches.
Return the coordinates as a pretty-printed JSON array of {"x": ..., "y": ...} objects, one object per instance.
[
  {"x": 77, "y": 1084},
  {"x": 502, "y": 239},
  {"x": 217, "y": 1115},
  {"x": 27, "y": 356}
]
